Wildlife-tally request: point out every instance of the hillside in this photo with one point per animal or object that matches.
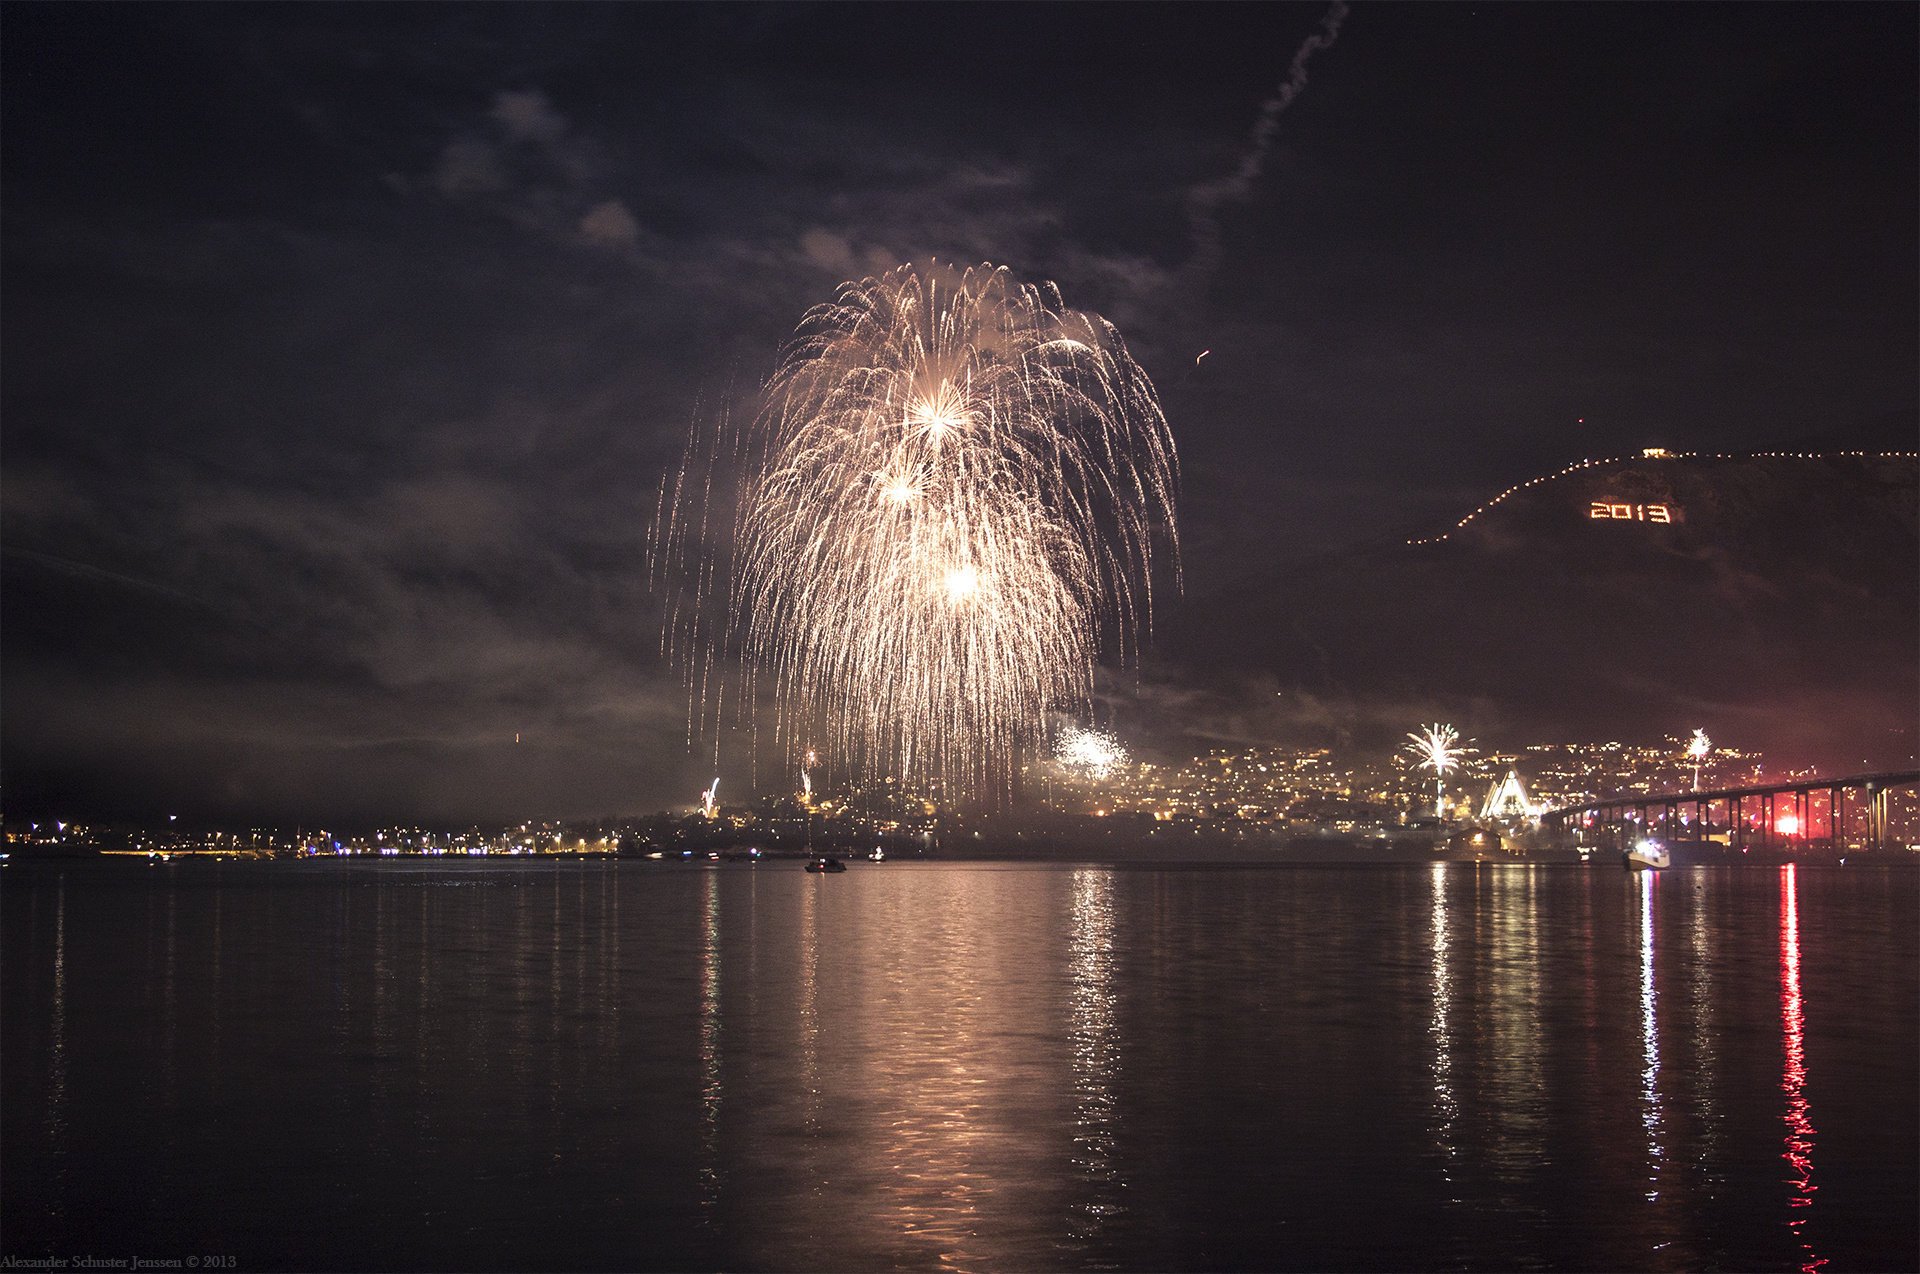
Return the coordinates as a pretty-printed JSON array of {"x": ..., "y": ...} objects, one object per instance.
[{"x": 1773, "y": 599}]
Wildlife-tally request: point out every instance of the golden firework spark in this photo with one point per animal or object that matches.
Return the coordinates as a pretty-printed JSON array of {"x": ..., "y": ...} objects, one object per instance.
[{"x": 951, "y": 499}]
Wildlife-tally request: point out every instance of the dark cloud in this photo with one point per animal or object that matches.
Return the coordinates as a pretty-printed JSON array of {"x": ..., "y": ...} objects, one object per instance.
[{"x": 527, "y": 116}]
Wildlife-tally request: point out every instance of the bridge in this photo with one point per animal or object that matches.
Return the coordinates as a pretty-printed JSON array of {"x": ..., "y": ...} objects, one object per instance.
[{"x": 1840, "y": 814}]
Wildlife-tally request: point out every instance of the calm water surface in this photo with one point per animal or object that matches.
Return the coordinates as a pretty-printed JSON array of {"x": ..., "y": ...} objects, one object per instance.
[{"x": 642, "y": 1065}]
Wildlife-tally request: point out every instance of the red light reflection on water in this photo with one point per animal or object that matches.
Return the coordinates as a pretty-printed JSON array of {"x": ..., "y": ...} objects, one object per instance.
[{"x": 1793, "y": 1080}]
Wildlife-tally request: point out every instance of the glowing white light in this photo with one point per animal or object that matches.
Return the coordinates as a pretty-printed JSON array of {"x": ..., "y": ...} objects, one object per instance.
[
  {"x": 942, "y": 410},
  {"x": 1698, "y": 748},
  {"x": 1436, "y": 748},
  {"x": 1508, "y": 799},
  {"x": 1651, "y": 1116},
  {"x": 1094, "y": 753}
]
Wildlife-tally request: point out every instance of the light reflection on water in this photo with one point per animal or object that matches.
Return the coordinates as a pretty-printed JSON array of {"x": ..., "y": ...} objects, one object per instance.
[
  {"x": 57, "y": 1062},
  {"x": 711, "y": 1091},
  {"x": 1446, "y": 1106},
  {"x": 1702, "y": 992},
  {"x": 932, "y": 1108},
  {"x": 1651, "y": 1117},
  {"x": 1095, "y": 1049},
  {"x": 1516, "y": 1031},
  {"x": 923, "y": 1066},
  {"x": 1799, "y": 1116}
]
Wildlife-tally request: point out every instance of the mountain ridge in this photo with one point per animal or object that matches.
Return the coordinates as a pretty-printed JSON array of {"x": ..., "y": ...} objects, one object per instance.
[{"x": 1776, "y": 595}]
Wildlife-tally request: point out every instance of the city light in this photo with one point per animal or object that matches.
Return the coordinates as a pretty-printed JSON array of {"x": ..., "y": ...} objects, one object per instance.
[
  {"x": 1267, "y": 793},
  {"x": 1661, "y": 513}
]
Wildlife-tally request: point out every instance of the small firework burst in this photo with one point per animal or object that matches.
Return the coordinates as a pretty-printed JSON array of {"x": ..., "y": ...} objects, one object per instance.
[{"x": 1094, "y": 753}]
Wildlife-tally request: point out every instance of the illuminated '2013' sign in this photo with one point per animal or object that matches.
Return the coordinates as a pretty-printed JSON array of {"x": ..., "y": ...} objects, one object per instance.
[{"x": 1602, "y": 510}]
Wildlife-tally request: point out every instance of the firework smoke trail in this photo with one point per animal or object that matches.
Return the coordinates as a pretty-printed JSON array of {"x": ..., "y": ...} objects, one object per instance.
[
  {"x": 951, "y": 499},
  {"x": 1204, "y": 201}
]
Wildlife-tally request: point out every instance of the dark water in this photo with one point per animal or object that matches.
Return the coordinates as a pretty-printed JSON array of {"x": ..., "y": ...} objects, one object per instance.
[{"x": 643, "y": 1065}]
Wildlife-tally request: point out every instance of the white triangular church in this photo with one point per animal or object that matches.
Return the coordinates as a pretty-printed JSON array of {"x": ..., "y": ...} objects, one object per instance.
[{"x": 1508, "y": 799}]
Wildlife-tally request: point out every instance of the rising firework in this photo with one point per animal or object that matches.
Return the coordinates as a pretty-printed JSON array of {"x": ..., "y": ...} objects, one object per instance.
[
  {"x": 1436, "y": 748},
  {"x": 950, "y": 502},
  {"x": 1093, "y": 753},
  {"x": 1698, "y": 748}
]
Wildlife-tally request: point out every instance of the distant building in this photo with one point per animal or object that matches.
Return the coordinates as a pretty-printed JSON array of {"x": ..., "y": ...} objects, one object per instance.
[{"x": 1507, "y": 801}]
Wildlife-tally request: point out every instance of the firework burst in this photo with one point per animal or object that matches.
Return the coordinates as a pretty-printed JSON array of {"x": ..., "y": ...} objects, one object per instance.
[
  {"x": 1699, "y": 747},
  {"x": 1437, "y": 748},
  {"x": 1094, "y": 753},
  {"x": 949, "y": 504}
]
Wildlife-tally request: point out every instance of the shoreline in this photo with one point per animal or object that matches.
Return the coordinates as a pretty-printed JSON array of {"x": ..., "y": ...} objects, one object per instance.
[{"x": 1318, "y": 851}]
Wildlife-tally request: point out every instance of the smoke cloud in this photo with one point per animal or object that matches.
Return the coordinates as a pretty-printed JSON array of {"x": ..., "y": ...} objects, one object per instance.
[{"x": 1205, "y": 201}]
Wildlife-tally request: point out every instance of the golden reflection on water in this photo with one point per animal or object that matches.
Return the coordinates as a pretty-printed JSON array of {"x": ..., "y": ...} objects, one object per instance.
[
  {"x": 384, "y": 904},
  {"x": 810, "y": 1012},
  {"x": 555, "y": 1082},
  {"x": 1446, "y": 1106},
  {"x": 423, "y": 1052},
  {"x": 584, "y": 1000},
  {"x": 609, "y": 947},
  {"x": 1090, "y": 958},
  {"x": 1517, "y": 1029},
  {"x": 710, "y": 1088},
  {"x": 215, "y": 996},
  {"x": 170, "y": 1007},
  {"x": 57, "y": 1033},
  {"x": 933, "y": 1086},
  {"x": 941, "y": 1079}
]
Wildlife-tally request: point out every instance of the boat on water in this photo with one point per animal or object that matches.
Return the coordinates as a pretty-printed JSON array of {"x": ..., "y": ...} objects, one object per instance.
[
  {"x": 878, "y": 855},
  {"x": 1647, "y": 855},
  {"x": 825, "y": 864}
]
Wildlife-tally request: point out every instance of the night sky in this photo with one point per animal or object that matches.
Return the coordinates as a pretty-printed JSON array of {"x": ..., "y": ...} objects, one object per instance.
[{"x": 344, "y": 346}]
